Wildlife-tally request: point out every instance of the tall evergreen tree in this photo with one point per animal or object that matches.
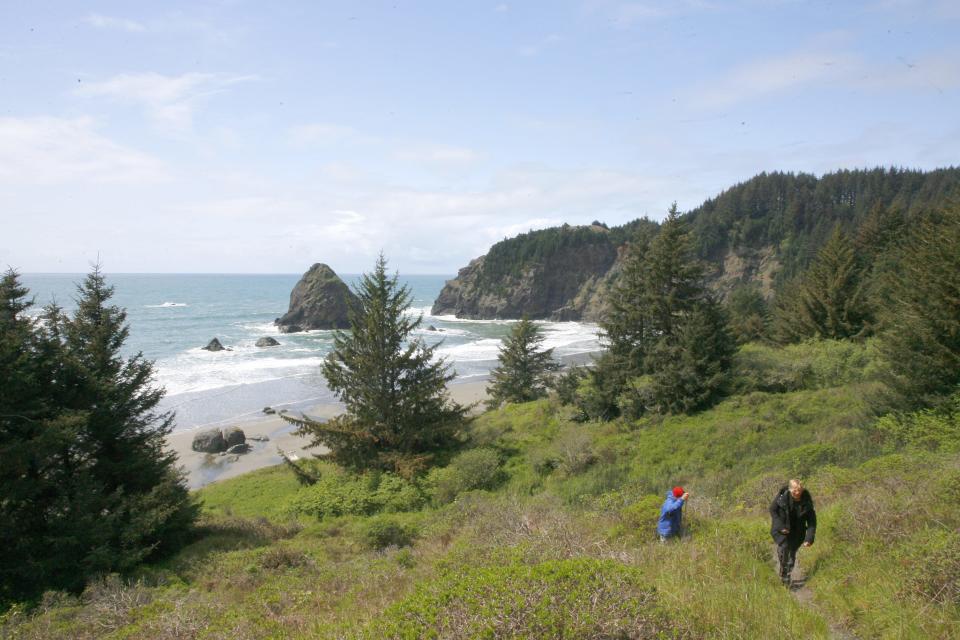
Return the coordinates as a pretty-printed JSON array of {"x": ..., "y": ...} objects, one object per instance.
[
  {"x": 143, "y": 505},
  {"x": 523, "y": 372},
  {"x": 830, "y": 300},
  {"x": 921, "y": 336},
  {"x": 398, "y": 412},
  {"x": 669, "y": 346}
]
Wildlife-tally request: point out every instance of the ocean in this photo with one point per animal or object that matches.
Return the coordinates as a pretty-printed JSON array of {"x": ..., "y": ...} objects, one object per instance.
[{"x": 171, "y": 316}]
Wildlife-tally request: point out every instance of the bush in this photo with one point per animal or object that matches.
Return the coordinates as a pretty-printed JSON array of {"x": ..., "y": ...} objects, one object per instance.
[
  {"x": 566, "y": 383},
  {"x": 473, "y": 469},
  {"x": 815, "y": 364},
  {"x": 579, "y": 598},
  {"x": 380, "y": 532},
  {"x": 340, "y": 494},
  {"x": 927, "y": 430}
]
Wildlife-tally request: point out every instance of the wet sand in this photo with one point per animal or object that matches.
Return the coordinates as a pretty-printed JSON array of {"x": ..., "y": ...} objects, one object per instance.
[{"x": 204, "y": 468}]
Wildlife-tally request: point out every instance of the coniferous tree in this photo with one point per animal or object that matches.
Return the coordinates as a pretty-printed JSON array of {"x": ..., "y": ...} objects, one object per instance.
[
  {"x": 398, "y": 412},
  {"x": 669, "y": 346},
  {"x": 144, "y": 505},
  {"x": 749, "y": 314},
  {"x": 830, "y": 301},
  {"x": 71, "y": 510},
  {"x": 921, "y": 336},
  {"x": 523, "y": 372}
]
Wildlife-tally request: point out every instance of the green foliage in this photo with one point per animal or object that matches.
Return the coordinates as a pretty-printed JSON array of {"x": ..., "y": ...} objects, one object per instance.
[
  {"x": 339, "y": 494},
  {"x": 830, "y": 300},
  {"x": 398, "y": 412},
  {"x": 523, "y": 370},
  {"x": 471, "y": 470},
  {"x": 579, "y": 598},
  {"x": 814, "y": 364},
  {"x": 91, "y": 487},
  {"x": 263, "y": 493},
  {"x": 664, "y": 324},
  {"x": 921, "y": 326},
  {"x": 384, "y": 531},
  {"x": 926, "y": 430},
  {"x": 749, "y": 314}
]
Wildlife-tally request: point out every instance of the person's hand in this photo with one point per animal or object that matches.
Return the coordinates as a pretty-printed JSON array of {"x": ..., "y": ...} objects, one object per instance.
[
  {"x": 807, "y": 544},
  {"x": 685, "y": 496}
]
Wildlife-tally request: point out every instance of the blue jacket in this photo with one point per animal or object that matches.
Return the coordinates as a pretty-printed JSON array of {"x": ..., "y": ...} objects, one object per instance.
[{"x": 670, "y": 515}]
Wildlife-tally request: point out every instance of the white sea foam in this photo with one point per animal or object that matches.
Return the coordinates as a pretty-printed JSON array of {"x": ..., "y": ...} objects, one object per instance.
[
  {"x": 203, "y": 371},
  {"x": 165, "y": 305}
]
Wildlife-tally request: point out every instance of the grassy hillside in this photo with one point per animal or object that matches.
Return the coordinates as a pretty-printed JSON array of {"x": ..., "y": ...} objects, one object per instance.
[{"x": 544, "y": 527}]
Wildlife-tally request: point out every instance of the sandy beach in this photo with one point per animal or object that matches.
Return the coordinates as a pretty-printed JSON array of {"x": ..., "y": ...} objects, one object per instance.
[{"x": 204, "y": 468}]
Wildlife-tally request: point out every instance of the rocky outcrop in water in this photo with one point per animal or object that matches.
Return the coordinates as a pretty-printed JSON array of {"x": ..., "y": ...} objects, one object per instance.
[
  {"x": 320, "y": 300},
  {"x": 213, "y": 345},
  {"x": 267, "y": 341}
]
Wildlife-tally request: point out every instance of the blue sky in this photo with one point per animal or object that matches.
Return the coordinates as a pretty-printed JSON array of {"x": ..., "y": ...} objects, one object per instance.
[{"x": 248, "y": 137}]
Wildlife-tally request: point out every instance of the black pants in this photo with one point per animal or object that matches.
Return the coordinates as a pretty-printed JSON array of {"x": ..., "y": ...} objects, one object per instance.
[{"x": 787, "y": 555}]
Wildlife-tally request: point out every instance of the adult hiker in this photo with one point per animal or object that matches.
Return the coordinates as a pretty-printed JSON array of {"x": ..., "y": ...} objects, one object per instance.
[
  {"x": 793, "y": 524},
  {"x": 671, "y": 514}
]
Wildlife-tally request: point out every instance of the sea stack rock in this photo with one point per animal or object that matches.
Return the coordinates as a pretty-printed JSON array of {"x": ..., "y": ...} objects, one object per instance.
[
  {"x": 233, "y": 436},
  {"x": 267, "y": 341},
  {"x": 319, "y": 301},
  {"x": 214, "y": 345}
]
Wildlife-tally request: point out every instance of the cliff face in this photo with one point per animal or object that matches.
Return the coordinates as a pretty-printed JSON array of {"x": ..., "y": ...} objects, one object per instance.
[
  {"x": 320, "y": 300},
  {"x": 762, "y": 231},
  {"x": 559, "y": 286}
]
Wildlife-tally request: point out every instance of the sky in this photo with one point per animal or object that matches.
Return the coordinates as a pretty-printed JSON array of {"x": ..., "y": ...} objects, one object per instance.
[{"x": 248, "y": 137}]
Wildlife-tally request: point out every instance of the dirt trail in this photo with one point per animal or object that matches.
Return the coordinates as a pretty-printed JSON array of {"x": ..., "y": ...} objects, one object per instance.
[{"x": 804, "y": 595}]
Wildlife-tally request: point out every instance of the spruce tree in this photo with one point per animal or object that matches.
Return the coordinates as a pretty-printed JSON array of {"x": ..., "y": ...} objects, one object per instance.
[
  {"x": 669, "y": 346},
  {"x": 398, "y": 412},
  {"x": 830, "y": 301},
  {"x": 921, "y": 336},
  {"x": 523, "y": 372},
  {"x": 749, "y": 314},
  {"x": 143, "y": 506}
]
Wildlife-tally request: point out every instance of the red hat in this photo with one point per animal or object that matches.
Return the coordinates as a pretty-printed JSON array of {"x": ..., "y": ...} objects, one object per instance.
[{"x": 678, "y": 491}]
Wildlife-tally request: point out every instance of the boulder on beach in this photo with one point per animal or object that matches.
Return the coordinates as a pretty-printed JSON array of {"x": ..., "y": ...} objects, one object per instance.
[
  {"x": 320, "y": 300},
  {"x": 269, "y": 411},
  {"x": 214, "y": 345},
  {"x": 267, "y": 341},
  {"x": 239, "y": 448},
  {"x": 260, "y": 438},
  {"x": 209, "y": 441},
  {"x": 233, "y": 436}
]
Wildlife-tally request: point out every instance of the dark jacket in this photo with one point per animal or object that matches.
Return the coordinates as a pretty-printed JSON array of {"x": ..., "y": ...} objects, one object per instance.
[{"x": 799, "y": 518}]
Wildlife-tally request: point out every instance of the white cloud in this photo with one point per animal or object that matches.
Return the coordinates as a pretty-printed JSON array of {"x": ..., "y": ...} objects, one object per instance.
[
  {"x": 168, "y": 100},
  {"x": 44, "y": 150},
  {"x": 625, "y": 14},
  {"x": 108, "y": 22}
]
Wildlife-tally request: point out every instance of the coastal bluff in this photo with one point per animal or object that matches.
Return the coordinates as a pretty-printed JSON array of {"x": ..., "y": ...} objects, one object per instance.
[{"x": 320, "y": 300}]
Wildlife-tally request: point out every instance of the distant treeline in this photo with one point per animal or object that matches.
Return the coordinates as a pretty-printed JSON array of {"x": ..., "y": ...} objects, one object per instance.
[{"x": 792, "y": 213}]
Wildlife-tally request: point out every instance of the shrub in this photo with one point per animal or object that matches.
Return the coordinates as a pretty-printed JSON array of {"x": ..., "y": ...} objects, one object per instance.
[
  {"x": 578, "y": 598},
  {"x": 340, "y": 494},
  {"x": 815, "y": 364},
  {"x": 473, "y": 469},
  {"x": 927, "y": 430},
  {"x": 380, "y": 532}
]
